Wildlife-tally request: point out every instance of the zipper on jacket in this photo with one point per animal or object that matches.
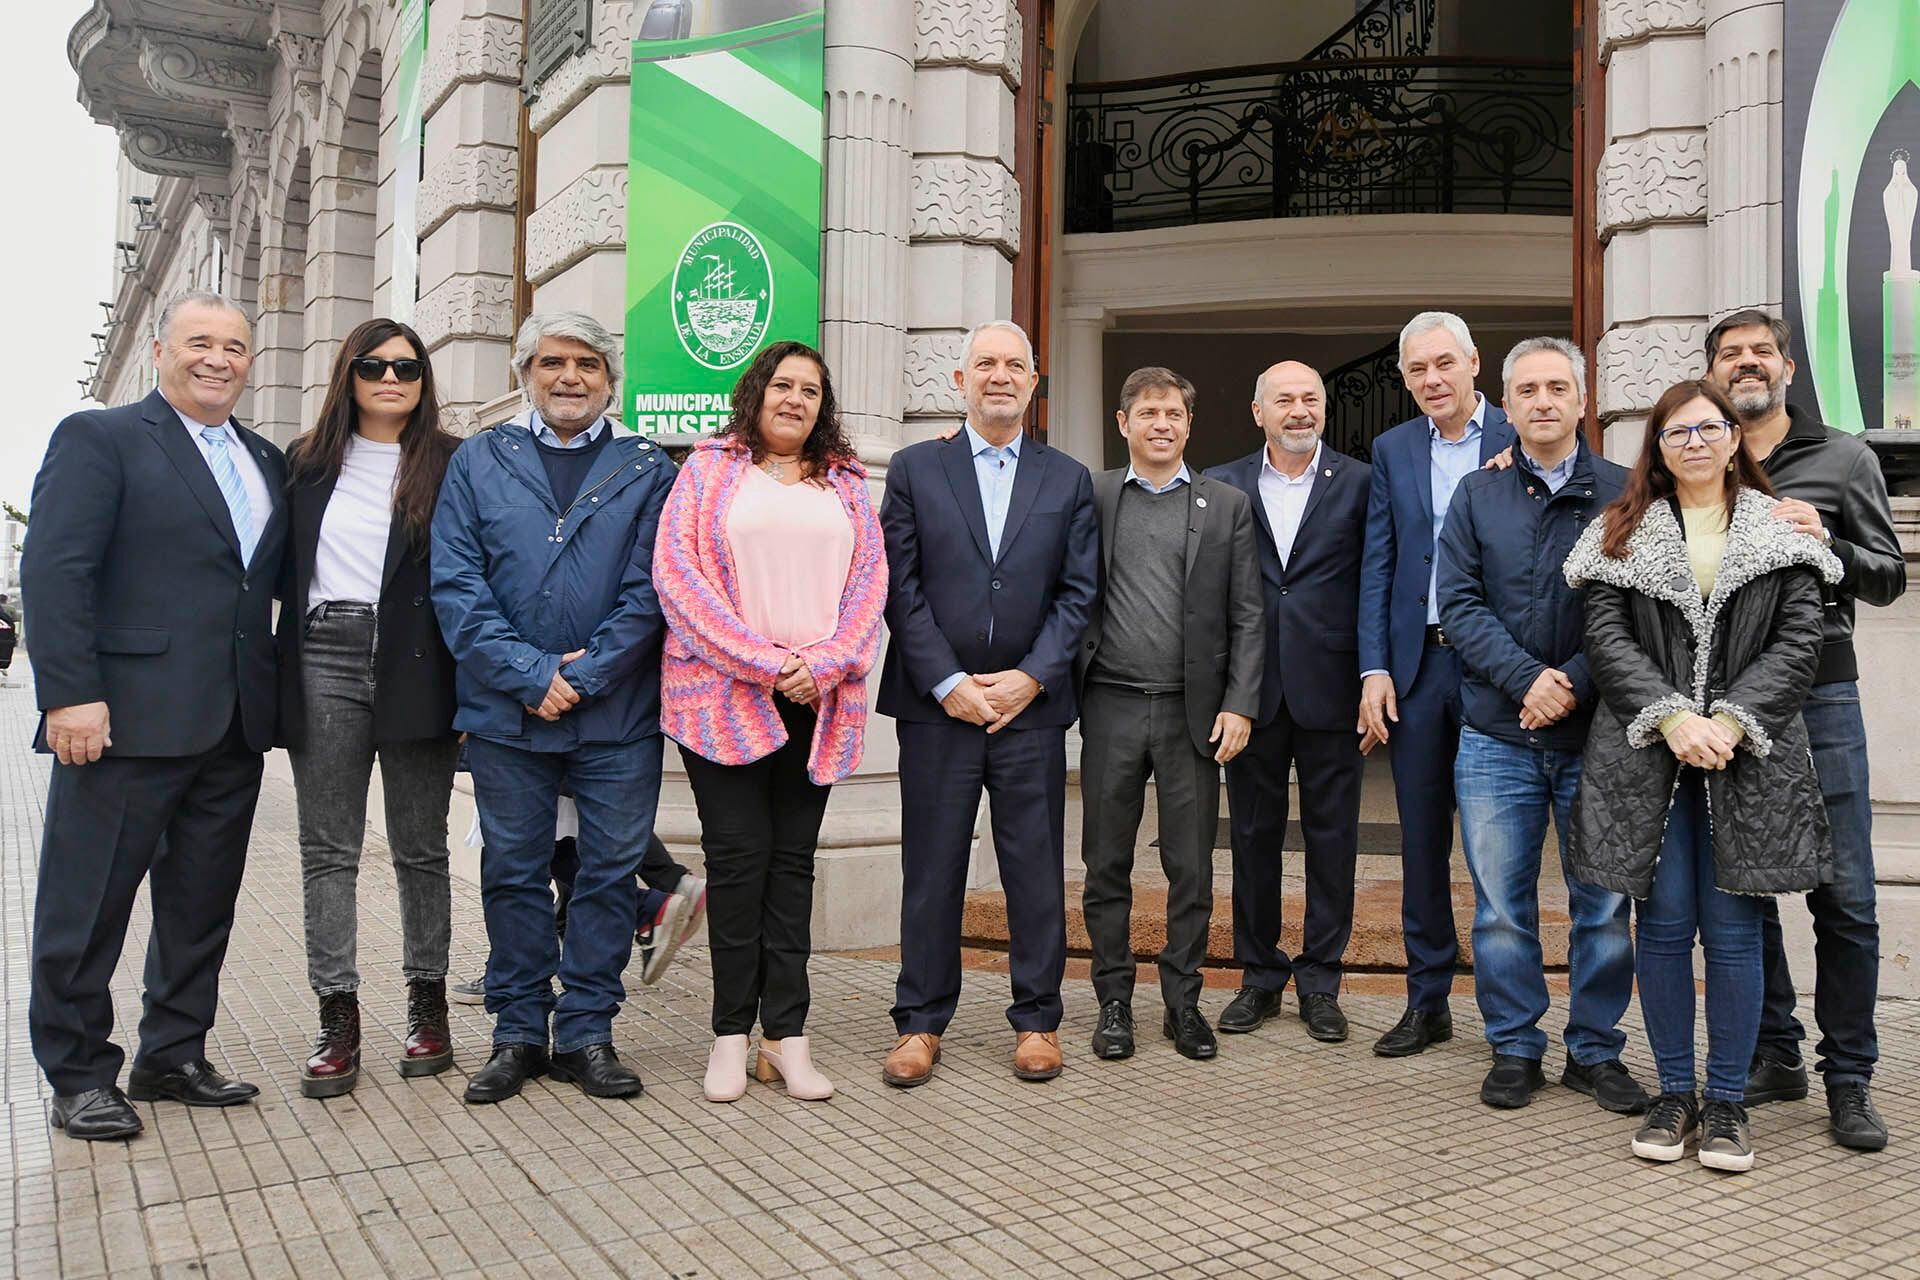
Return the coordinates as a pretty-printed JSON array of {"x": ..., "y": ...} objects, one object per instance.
[{"x": 561, "y": 523}]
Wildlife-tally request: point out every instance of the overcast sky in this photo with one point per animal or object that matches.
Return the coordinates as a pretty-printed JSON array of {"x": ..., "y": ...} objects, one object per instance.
[{"x": 56, "y": 235}]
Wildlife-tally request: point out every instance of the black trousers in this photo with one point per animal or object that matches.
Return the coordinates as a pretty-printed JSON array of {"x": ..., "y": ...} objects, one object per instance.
[
  {"x": 759, "y": 824},
  {"x": 943, "y": 768},
  {"x": 1329, "y": 765},
  {"x": 1125, "y": 737},
  {"x": 180, "y": 823}
]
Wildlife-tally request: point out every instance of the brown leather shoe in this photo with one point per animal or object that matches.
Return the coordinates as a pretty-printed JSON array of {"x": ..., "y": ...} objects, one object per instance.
[
  {"x": 911, "y": 1061},
  {"x": 1036, "y": 1055}
]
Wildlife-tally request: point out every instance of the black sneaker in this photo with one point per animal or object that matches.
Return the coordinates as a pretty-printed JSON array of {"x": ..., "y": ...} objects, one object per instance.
[
  {"x": 1113, "y": 1039},
  {"x": 1607, "y": 1083},
  {"x": 1512, "y": 1082},
  {"x": 1852, "y": 1120},
  {"x": 1775, "y": 1080},
  {"x": 1724, "y": 1141},
  {"x": 1671, "y": 1120}
]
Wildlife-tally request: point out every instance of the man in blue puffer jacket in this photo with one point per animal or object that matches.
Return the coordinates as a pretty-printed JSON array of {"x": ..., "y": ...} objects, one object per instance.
[
  {"x": 1526, "y": 699},
  {"x": 543, "y": 584}
]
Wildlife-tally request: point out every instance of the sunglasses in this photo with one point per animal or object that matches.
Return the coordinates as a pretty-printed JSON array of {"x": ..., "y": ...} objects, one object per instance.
[{"x": 373, "y": 369}]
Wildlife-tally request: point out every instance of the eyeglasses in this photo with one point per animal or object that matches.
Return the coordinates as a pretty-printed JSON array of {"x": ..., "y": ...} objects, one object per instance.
[
  {"x": 373, "y": 369},
  {"x": 1712, "y": 431}
]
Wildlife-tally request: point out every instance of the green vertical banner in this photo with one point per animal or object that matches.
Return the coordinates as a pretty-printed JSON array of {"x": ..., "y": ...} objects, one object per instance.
[
  {"x": 723, "y": 200},
  {"x": 410, "y": 40}
]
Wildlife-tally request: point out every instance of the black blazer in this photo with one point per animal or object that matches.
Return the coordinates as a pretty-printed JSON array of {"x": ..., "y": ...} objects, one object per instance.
[
  {"x": 1223, "y": 637},
  {"x": 132, "y": 574},
  {"x": 1313, "y": 603},
  {"x": 412, "y": 669},
  {"x": 952, "y": 607}
]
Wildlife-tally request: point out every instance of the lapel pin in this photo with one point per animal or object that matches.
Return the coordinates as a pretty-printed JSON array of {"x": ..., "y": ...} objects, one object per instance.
[
  {"x": 1327, "y": 472},
  {"x": 1199, "y": 502}
]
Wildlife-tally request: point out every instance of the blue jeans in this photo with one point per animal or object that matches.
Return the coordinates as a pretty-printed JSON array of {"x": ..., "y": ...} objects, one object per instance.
[
  {"x": 616, "y": 788},
  {"x": 1506, "y": 795},
  {"x": 1846, "y": 931},
  {"x": 1683, "y": 903}
]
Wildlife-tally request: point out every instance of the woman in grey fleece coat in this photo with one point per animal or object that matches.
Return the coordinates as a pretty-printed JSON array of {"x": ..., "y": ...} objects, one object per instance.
[{"x": 1698, "y": 792}]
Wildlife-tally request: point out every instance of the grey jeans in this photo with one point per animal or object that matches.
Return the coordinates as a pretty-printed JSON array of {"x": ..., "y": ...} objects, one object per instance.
[{"x": 330, "y": 778}]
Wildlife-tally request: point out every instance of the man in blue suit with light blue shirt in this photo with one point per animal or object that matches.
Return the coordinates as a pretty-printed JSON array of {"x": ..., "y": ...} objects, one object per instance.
[
  {"x": 993, "y": 560},
  {"x": 1410, "y": 676}
]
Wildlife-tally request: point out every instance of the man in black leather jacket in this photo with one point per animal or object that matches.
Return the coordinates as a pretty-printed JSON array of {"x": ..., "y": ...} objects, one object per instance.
[{"x": 1831, "y": 487}]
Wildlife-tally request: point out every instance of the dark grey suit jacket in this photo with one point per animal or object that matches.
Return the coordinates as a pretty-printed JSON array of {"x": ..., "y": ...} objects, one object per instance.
[{"x": 1226, "y": 627}]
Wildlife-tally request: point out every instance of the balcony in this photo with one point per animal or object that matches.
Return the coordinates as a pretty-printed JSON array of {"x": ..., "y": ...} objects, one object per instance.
[{"x": 1321, "y": 138}]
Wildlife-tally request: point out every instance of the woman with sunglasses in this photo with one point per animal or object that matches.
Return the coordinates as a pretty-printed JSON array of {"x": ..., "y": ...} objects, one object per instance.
[
  {"x": 772, "y": 577},
  {"x": 364, "y": 673},
  {"x": 1698, "y": 796}
]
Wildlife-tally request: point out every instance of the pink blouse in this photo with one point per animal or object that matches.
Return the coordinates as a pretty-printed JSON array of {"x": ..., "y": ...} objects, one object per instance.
[{"x": 792, "y": 545}]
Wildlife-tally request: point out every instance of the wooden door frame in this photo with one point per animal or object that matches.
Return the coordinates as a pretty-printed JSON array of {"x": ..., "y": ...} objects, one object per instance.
[{"x": 1589, "y": 146}]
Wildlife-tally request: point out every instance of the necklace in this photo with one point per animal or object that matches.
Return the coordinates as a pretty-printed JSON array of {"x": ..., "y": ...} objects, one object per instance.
[{"x": 774, "y": 467}]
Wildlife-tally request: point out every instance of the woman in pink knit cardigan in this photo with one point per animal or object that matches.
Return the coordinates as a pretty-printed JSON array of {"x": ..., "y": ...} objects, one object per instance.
[{"x": 772, "y": 576}]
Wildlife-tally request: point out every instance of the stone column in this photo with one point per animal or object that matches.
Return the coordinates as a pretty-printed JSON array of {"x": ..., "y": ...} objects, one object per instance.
[
  {"x": 1079, "y": 374},
  {"x": 1745, "y": 146},
  {"x": 1653, "y": 209},
  {"x": 966, "y": 202},
  {"x": 468, "y": 189}
]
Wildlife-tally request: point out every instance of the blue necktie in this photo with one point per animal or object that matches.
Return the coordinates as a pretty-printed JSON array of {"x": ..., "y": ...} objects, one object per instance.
[{"x": 232, "y": 488}]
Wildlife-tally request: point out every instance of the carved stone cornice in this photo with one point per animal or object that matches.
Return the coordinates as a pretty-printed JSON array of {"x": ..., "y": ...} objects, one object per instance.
[
  {"x": 1634, "y": 365},
  {"x": 483, "y": 177},
  {"x": 175, "y": 148},
  {"x": 589, "y": 215},
  {"x": 959, "y": 198},
  {"x": 615, "y": 25},
  {"x": 1627, "y": 21},
  {"x": 976, "y": 33},
  {"x": 473, "y": 306},
  {"x": 204, "y": 72},
  {"x": 479, "y": 49},
  {"x": 931, "y": 359},
  {"x": 1655, "y": 178}
]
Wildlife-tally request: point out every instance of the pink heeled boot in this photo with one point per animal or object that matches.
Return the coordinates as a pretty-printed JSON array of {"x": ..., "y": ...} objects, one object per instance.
[
  {"x": 727, "y": 1069},
  {"x": 791, "y": 1060}
]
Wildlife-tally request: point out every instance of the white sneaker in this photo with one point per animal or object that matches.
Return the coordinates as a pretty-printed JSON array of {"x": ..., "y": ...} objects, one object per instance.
[
  {"x": 694, "y": 890},
  {"x": 663, "y": 938}
]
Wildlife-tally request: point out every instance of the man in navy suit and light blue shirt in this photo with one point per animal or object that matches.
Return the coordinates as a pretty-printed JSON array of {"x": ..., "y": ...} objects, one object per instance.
[
  {"x": 1308, "y": 503},
  {"x": 1410, "y": 677},
  {"x": 993, "y": 556},
  {"x": 158, "y": 530}
]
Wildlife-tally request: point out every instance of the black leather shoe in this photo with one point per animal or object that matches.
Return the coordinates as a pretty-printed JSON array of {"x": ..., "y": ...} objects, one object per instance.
[
  {"x": 1190, "y": 1034},
  {"x": 1775, "y": 1080},
  {"x": 1321, "y": 1012},
  {"x": 1852, "y": 1120},
  {"x": 93, "y": 1115},
  {"x": 1608, "y": 1083},
  {"x": 1249, "y": 1010},
  {"x": 598, "y": 1071},
  {"x": 194, "y": 1082},
  {"x": 510, "y": 1067},
  {"x": 1113, "y": 1039},
  {"x": 1416, "y": 1029},
  {"x": 1512, "y": 1082}
]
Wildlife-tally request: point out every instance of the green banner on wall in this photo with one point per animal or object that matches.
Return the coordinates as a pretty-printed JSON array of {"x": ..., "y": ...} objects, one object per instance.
[
  {"x": 410, "y": 39},
  {"x": 723, "y": 200}
]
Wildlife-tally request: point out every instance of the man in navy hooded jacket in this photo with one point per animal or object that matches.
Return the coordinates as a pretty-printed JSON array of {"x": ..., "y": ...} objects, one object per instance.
[
  {"x": 543, "y": 584},
  {"x": 1525, "y": 701}
]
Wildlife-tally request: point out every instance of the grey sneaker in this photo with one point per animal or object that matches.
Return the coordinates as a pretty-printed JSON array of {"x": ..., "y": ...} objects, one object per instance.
[
  {"x": 472, "y": 991},
  {"x": 1671, "y": 1120},
  {"x": 1724, "y": 1141}
]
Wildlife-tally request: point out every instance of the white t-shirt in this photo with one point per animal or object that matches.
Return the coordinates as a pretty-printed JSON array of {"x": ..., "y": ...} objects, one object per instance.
[{"x": 352, "y": 554}]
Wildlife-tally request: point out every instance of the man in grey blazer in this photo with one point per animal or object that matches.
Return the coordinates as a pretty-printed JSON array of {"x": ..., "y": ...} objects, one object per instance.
[{"x": 1170, "y": 677}]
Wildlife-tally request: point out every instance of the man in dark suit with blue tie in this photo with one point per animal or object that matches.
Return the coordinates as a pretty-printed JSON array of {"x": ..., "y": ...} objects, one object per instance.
[
  {"x": 1410, "y": 676},
  {"x": 1308, "y": 505},
  {"x": 993, "y": 555},
  {"x": 150, "y": 569}
]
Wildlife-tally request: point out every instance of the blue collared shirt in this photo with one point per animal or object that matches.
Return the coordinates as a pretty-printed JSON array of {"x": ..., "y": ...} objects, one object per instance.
[
  {"x": 1451, "y": 462},
  {"x": 1182, "y": 476},
  {"x": 994, "y": 467},
  {"x": 545, "y": 434},
  {"x": 1555, "y": 476}
]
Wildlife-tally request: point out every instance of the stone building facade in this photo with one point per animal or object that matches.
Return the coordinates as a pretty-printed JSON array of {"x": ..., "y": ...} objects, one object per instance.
[{"x": 263, "y": 133}]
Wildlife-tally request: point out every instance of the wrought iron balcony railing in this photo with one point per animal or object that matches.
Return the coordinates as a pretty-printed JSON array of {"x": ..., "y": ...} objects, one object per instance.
[{"x": 1318, "y": 139}]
